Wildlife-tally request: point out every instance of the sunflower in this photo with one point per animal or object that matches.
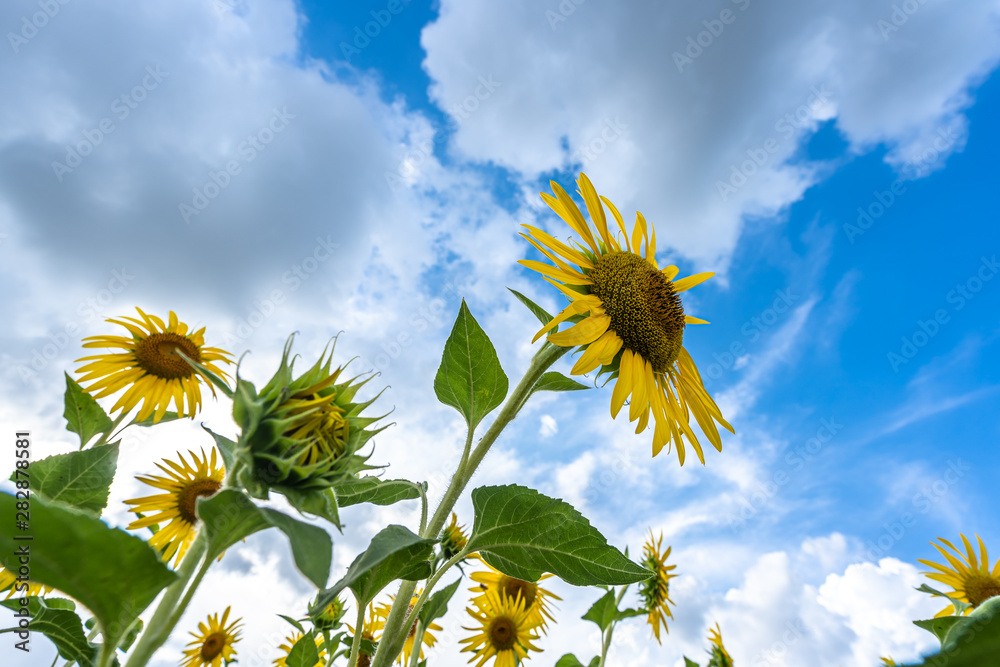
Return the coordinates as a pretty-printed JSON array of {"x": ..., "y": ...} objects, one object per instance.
[
  {"x": 973, "y": 580},
  {"x": 655, "y": 591},
  {"x": 506, "y": 630},
  {"x": 215, "y": 643},
  {"x": 720, "y": 656},
  {"x": 429, "y": 640},
  {"x": 331, "y": 614},
  {"x": 184, "y": 484},
  {"x": 889, "y": 662},
  {"x": 453, "y": 538},
  {"x": 151, "y": 366},
  {"x": 373, "y": 623},
  {"x": 290, "y": 642},
  {"x": 8, "y": 581},
  {"x": 535, "y": 597},
  {"x": 635, "y": 327}
]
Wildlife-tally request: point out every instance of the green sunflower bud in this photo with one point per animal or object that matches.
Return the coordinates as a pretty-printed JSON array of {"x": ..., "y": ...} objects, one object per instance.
[
  {"x": 301, "y": 434},
  {"x": 331, "y": 616}
]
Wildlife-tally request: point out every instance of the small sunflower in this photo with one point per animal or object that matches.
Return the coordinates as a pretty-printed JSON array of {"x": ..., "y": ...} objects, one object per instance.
[
  {"x": 331, "y": 614},
  {"x": 635, "y": 327},
  {"x": 151, "y": 367},
  {"x": 535, "y": 597},
  {"x": 429, "y": 640},
  {"x": 373, "y": 624},
  {"x": 720, "y": 656},
  {"x": 453, "y": 538},
  {"x": 972, "y": 579},
  {"x": 290, "y": 642},
  {"x": 506, "y": 630},
  {"x": 8, "y": 581},
  {"x": 655, "y": 591},
  {"x": 184, "y": 484},
  {"x": 214, "y": 644}
]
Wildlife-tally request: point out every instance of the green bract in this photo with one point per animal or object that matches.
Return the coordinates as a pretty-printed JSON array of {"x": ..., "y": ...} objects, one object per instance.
[{"x": 301, "y": 435}]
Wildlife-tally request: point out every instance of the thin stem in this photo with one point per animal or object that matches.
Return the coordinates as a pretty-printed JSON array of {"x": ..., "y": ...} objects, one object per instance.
[
  {"x": 606, "y": 644},
  {"x": 103, "y": 440},
  {"x": 418, "y": 641},
  {"x": 356, "y": 641},
  {"x": 423, "y": 508},
  {"x": 158, "y": 629},
  {"x": 391, "y": 643},
  {"x": 107, "y": 655},
  {"x": 189, "y": 593}
]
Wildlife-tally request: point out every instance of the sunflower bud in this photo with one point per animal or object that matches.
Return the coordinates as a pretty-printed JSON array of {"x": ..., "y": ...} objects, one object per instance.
[
  {"x": 303, "y": 434},
  {"x": 331, "y": 616}
]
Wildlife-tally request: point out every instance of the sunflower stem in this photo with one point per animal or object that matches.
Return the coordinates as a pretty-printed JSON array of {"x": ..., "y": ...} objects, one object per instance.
[
  {"x": 107, "y": 655},
  {"x": 158, "y": 629},
  {"x": 189, "y": 593},
  {"x": 606, "y": 644},
  {"x": 356, "y": 640},
  {"x": 418, "y": 642},
  {"x": 103, "y": 440},
  {"x": 423, "y": 508}
]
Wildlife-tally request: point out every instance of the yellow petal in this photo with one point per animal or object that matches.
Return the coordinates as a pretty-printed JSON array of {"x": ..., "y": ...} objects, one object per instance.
[
  {"x": 685, "y": 284},
  {"x": 694, "y": 320},
  {"x": 583, "y": 332},
  {"x": 623, "y": 387},
  {"x": 596, "y": 210}
]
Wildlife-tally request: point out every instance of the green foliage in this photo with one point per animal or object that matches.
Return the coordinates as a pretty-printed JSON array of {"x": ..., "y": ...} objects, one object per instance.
[
  {"x": 83, "y": 415},
  {"x": 116, "y": 581},
  {"x": 321, "y": 503},
  {"x": 168, "y": 416},
  {"x": 304, "y": 653},
  {"x": 376, "y": 491},
  {"x": 230, "y": 516},
  {"x": 437, "y": 604},
  {"x": 553, "y": 381},
  {"x": 570, "y": 660},
  {"x": 536, "y": 310},
  {"x": 970, "y": 641},
  {"x": 56, "y": 619},
  {"x": 524, "y": 534},
  {"x": 939, "y": 626},
  {"x": 81, "y": 479},
  {"x": 961, "y": 606},
  {"x": 227, "y": 448},
  {"x": 470, "y": 378},
  {"x": 394, "y": 553}
]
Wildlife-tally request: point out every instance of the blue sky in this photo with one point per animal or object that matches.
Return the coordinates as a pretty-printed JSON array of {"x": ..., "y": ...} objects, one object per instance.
[{"x": 838, "y": 175}]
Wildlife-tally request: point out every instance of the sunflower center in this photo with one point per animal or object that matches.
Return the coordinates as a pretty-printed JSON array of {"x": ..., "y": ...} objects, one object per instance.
[
  {"x": 980, "y": 588},
  {"x": 502, "y": 633},
  {"x": 413, "y": 628},
  {"x": 364, "y": 660},
  {"x": 188, "y": 496},
  {"x": 645, "y": 311},
  {"x": 212, "y": 646},
  {"x": 158, "y": 355},
  {"x": 511, "y": 587}
]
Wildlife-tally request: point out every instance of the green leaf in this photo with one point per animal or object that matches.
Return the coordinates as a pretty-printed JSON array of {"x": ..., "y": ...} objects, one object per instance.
[
  {"x": 539, "y": 312},
  {"x": 960, "y": 605},
  {"x": 688, "y": 662},
  {"x": 973, "y": 640},
  {"x": 553, "y": 381},
  {"x": 318, "y": 503},
  {"x": 81, "y": 479},
  {"x": 437, "y": 604},
  {"x": 376, "y": 491},
  {"x": 524, "y": 534},
  {"x": 83, "y": 415},
  {"x": 394, "y": 553},
  {"x": 595, "y": 661},
  {"x": 304, "y": 653},
  {"x": 168, "y": 416},
  {"x": 295, "y": 624},
  {"x": 127, "y": 641},
  {"x": 603, "y": 612},
  {"x": 118, "y": 579},
  {"x": 230, "y": 516},
  {"x": 60, "y": 625},
  {"x": 938, "y": 626},
  {"x": 568, "y": 660},
  {"x": 470, "y": 378},
  {"x": 226, "y": 447}
]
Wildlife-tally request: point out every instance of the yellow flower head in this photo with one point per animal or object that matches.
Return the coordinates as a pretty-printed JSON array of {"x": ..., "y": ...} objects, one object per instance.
[
  {"x": 720, "y": 656},
  {"x": 151, "y": 368},
  {"x": 213, "y": 643},
  {"x": 972, "y": 579},
  {"x": 290, "y": 641},
  {"x": 534, "y": 596},
  {"x": 453, "y": 538},
  {"x": 184, "y": 484},
  {"x": 382, "y": 611},
  {"x": 889, "y": 662},
  {"x": 8, "y": 580},
  {"x": 655, "y": 591},
  {"x": 634, "y": 324},
  {"x": 506, "y": 631}
]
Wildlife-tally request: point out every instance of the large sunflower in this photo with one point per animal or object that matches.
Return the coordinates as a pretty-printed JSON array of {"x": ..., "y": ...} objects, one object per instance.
[
  {"x": 184, "y": 484},
  {"x": 535, "y": 597},
  {"x": 8, "y": 581},
  {"x": 972, "y": 579},
  {"x": 655, "y": 591},
  {"x": 382, "y": 611},
  {"x": 151, "y": 367},
  {"x": 505, "y": 631},
  {"x": 214, "y": 643},
  {"x": 635, "y": 326}
]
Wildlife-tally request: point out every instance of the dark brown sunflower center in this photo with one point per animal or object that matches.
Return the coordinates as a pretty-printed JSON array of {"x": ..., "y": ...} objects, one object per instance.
[
  {"x": 413, "y": 628},
  {"x": 502, "y": 633},
  {"x": 645, "y": 311},
  {"x": 213, "y": 646},
  {"x": 511, "y": 587},
  {"x": 980, "y": 588},
  {"x": 188, "y": 496},
  {"x": 157, "y": 355},
  {"x": 364, "y": 660}
]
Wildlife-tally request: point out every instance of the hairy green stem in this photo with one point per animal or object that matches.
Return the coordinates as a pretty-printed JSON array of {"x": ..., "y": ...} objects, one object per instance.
[
  {"x": 392, "y": 641},
  {"x": 356, "y": 640},
  {"x": 606, "y": 644}
]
